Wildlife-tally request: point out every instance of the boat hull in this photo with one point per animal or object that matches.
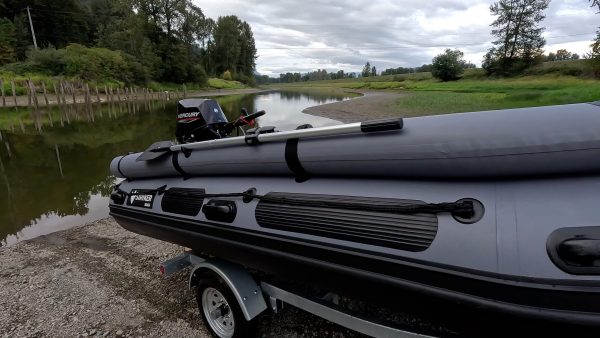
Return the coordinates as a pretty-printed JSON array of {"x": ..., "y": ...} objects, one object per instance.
[{"x": 500, "y": 262}]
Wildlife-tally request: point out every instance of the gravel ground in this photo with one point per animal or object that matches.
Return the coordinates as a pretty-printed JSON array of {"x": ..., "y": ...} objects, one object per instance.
[
  {"x": 100, "y": 280},
  {"x": 372, "y": 105}
]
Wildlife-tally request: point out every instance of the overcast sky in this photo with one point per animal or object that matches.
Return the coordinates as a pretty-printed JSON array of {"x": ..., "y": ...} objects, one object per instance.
[{"x": 305, "y": 35}]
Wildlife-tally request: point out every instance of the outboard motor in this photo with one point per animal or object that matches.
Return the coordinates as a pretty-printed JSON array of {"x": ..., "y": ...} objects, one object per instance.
[
  {"x": 199, "y": 120},
  {"x": 203, "y": 119}
]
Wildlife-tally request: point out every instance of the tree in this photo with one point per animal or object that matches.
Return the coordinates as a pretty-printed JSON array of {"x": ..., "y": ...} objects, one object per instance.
[
  {"x": 247, "y": 60},
  {"x": 594, "y": 55},
  {"x": 60, "y": 22},
  {"x": 449, "y": 65},
  {"x": 162, "y": 40},
  {"x": 563, "y": 55},
  {"x": 7, "y": 41},
  {"x": 233, "y": 46},
  {"x": 373, "y": 71},
  {"x": 125, "y": 31},
  {"x": 366, "y": 72},
  {"x": 519, "y": 40}
]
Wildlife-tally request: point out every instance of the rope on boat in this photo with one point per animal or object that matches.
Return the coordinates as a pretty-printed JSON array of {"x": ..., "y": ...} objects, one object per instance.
[{"x": 459, "y": 208}]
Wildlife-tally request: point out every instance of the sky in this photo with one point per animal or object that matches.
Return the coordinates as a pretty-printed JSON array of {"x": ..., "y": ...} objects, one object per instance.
[{"x": 305, "y": 35}]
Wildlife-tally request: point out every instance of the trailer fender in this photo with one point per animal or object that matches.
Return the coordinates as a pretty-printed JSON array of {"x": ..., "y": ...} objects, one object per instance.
[{"x": 247, "y": 292}]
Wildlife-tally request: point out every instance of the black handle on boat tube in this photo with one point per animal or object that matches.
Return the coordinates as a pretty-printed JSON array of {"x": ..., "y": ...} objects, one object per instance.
[
  {"x": 256, "y": 115},
  {"x": 381, "y": 125},
  {"x": 243, "y": 120},
  {"x": 463, "y": 207}
]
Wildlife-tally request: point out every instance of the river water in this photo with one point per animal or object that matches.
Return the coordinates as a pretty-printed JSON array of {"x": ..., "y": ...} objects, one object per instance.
[{"x": 54, "y": 168}]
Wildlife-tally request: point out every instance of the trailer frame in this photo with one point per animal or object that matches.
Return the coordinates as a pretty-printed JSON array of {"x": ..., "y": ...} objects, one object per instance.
[{"x": 254, "y": 297}]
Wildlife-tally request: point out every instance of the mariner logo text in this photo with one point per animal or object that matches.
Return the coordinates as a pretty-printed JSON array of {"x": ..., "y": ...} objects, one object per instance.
[{"x": 141, "y": 199}]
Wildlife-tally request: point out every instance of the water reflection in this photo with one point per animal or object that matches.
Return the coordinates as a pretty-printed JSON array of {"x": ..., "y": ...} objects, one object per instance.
[{"x": 54, "y": 163}]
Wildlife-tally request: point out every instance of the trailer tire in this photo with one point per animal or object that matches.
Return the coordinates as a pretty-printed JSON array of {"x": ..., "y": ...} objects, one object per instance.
[{"x": 220, "y": 311}]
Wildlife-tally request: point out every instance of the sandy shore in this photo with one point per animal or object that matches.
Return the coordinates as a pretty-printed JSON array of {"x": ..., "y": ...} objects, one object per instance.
[
  {"x": 23, "y": 100},
  {"x": 101, "y": 280},
  {"x": 372, "y": 105}
]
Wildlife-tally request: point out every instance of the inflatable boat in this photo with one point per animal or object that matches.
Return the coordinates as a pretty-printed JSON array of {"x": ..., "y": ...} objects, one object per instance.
[{"x": 496, "y": 209}]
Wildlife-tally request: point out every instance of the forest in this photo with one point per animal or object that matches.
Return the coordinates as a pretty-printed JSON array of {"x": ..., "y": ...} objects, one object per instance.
[{"x": 131, "y": 41}]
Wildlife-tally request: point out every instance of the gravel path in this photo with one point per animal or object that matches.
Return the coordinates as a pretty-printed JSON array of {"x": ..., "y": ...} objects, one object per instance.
[{"x": 100, "y": 280}]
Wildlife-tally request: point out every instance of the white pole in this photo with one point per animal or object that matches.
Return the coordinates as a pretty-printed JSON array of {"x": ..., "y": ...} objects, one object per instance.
[
  {"x": 344, "y": 129},
  {"x": 32, "y": 30}
]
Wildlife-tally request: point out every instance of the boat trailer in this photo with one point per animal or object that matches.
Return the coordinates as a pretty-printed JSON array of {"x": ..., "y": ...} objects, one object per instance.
[{"x": 229, "y": 298}]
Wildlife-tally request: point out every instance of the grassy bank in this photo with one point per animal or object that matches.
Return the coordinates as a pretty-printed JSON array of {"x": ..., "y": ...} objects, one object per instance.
[
  {"x": 20, "y": 89},
  {"x": 424, "y": 95}
]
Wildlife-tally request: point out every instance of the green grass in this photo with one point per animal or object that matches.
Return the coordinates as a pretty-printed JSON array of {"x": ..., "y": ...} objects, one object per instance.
[
  {"x": 225, "y": 84},
  {"x": 468, "y": 95},
  {"x": 424, "y": 95},
  {"x": 37, "y": 79}
]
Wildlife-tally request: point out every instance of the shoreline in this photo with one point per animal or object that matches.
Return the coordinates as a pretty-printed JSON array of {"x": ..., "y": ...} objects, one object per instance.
[
  {"x": 373, "y": 104},
  {"x": 23, "y": 100},
  {"x": 101, "y": 280}
]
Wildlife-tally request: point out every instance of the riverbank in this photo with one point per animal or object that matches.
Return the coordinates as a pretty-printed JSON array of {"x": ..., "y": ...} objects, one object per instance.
[
  {"x": 371, "y": 105},
  {"x": 24, "y": 101},
  {"x": 100, "y": 280},
  {"x": 418, "y": 94}
]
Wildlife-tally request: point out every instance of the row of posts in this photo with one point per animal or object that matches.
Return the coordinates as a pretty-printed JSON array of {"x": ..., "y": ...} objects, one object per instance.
[
  {"x": 69, "y": 93},
  {"x": 66, "y": 94}
]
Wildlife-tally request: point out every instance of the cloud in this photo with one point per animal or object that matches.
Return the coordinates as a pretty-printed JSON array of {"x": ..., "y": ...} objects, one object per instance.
[{"x": 300, "y": 36}]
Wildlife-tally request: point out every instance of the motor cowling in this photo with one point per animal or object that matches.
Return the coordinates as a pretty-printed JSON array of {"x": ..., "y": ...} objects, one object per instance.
[{"x": 199, "y": 120}]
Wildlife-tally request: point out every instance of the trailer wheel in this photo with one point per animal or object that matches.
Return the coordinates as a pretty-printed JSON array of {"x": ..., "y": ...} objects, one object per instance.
[{"x": 220, "y": 310}]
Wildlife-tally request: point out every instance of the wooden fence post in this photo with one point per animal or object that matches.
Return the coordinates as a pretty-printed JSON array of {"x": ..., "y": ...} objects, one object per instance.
[
  {"x": 97, "y": 94},
  {"x": 28, "y": 93},
  {"x": 33, "y": 92},
  {"x": 56, "y": 93},
  {"x": 12, "y": 86},
  {"x": 3, "y": 97},
  {"x": 58, "y": 160},
  {"x": 73, "y": 93},
  {"x": 45, "y": 94}
]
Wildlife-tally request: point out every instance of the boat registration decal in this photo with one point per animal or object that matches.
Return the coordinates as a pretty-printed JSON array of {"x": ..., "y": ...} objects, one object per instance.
[{"x": 141, "y": 198}]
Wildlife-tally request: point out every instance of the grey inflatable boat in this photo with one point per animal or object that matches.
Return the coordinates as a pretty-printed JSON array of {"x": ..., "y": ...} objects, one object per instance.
[{"x": 495, "y": 209}]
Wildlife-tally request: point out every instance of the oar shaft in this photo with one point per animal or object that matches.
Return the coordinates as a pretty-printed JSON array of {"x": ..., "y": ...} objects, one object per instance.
[{"x": 344, "y": 129}]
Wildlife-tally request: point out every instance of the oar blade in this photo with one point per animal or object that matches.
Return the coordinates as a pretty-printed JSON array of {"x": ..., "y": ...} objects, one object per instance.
[{"x": 155, "y": 151}]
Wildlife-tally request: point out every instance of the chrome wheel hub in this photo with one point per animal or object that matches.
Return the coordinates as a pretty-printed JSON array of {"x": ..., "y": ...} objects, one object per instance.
[{"x": 218, "y": 313}]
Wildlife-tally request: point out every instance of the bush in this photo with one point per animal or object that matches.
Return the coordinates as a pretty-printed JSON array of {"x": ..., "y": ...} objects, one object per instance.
[
  {"x": 448, "y": 66},
  {"x": 136, "y": 72},
  {"x": 245, "y": 79},
  {"x": 48, "y": 61},
  {"x": 95, "y": 63},
  {"x": 227, "y": 76},
  {"x": 569, "y": 68},
  {"x": 199, "y": 75},
  {"x": 91, "y": 64}
]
